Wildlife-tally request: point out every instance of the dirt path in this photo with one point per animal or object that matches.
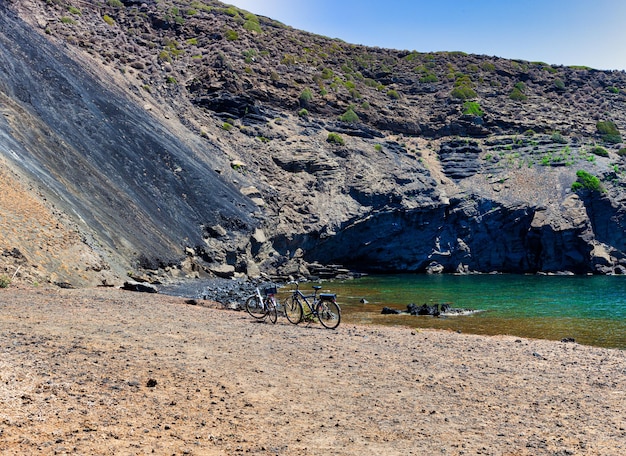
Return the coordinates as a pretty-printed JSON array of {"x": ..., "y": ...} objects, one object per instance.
[{"x": 107, "y": 372}]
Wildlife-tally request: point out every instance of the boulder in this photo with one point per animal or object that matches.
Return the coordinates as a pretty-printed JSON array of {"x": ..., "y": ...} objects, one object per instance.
[
  {"x": 142, "y": 287},
  {"x": 424, "y": 309},
  {"x": 225, "y": 271}
]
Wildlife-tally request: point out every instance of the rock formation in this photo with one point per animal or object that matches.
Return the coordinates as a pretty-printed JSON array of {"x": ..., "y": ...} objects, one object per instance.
[{"x": 183, "y": 139}]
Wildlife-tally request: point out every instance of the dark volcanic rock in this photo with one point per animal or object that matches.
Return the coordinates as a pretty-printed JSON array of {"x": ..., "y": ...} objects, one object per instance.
[
  {"x": 460, "y": 158},
  {"x": 424, "y": 309},
  {"x": 104, "y": 157},
  {"x": 132, "y": 285}
]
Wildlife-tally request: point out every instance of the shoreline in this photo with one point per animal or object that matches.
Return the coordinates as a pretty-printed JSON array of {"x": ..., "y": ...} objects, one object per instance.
[{"x": 105, "y": 371}]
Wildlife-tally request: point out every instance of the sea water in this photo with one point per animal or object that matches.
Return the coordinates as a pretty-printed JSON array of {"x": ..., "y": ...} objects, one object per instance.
[{"x": 589, "y": 309}]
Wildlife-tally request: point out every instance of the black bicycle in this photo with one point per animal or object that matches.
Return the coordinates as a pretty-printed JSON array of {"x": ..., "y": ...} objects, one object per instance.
[
  {"x": 265, "y": 305},
  {"x": 322, "y": 307}
]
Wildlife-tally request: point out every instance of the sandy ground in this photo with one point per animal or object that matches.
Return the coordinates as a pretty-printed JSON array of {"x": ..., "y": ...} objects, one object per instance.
[{"x": 109, "y": 372}]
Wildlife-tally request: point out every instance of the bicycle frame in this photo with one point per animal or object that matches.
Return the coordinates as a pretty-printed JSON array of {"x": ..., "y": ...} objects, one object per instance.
[
  {"x": 261, "y": 305},
  {"x": 299, "y": 295},
  {"x": 324, "y": 307}
]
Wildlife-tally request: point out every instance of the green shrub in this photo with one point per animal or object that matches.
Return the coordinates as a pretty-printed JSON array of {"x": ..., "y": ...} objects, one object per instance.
[
  {"x": 371, "y": 82},
  {"x": 462, "y": 80},
  {"x": 289, "y": 59},
  {"x": 252, "y": 26},
  {"x": 67, "y": 20},
  {"x": 231, "y": 11},
  {"x": 600, "y": 151},
  {"x": 165, "y": 56},
  {"x": 108, "y": 19},
  {"x": 227, "y": 126},
  {"x": 4, "y": 281},
  {"x": 472, "y": 108},
  {"x": 115, "y": 3},
  {"x": 560, "y": 85},
  {"x": 306, "y": 96},
  {"x": 463, "y": 93},
  {"x": 609, "y": 132},
  {"x": 587, "y": 181},
  {"x": 171, "y": 80},
  {"x": 303, "y": 112},
  {"x": 355, "y": 94},
  {"x": 529, "y": 132},
  {"x": 75, "y": 11},
  {"x": 612, "y": 89},
  {"x": 429, "y": 78},
  {"x": 349, "y": 116},
  {"x": 393, "y": 94},
  {"x": 231, "y": 35},
  {"x": 414, "y": 55},
  {"x": 517, "y": 95},
  {"x": 488, "y": 66},
  {"x": 335, "y": 138},
  {"x": 249, "y": 55},
  {"x": 327, "y": 73},
  {"x": 557, "y": 137},
  {"x": 519, "y": 92},
  {"x": 378, "y": 147},
  {"x": 520, "y": 86},
  {"x": 622, "y": 152}
]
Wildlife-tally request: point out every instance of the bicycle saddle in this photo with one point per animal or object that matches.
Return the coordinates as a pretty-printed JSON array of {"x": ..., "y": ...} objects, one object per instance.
[{"x": 317, "y": 287}]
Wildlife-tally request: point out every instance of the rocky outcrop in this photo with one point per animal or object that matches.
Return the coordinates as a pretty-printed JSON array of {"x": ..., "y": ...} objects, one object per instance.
[
  {"x": 460, "y": 158},
  {"x": 220, "y": 143}
]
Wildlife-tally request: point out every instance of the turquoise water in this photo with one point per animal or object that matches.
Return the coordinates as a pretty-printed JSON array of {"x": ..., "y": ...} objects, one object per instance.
[{"x": 590, "y": 309}]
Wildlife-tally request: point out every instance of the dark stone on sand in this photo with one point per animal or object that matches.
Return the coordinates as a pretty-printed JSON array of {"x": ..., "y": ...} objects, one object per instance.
[
  {"x": 390, "y": 311},
  {"x": 139, "y": 286}
]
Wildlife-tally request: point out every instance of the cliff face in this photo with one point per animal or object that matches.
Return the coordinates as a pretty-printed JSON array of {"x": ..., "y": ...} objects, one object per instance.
[{"x": 193, "y": 137}]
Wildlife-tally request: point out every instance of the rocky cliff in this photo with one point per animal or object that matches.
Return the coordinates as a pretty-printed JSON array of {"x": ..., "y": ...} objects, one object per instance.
[{"x": 180, "y": 138}]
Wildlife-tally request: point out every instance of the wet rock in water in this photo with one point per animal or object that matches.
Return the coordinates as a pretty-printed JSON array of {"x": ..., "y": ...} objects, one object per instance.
[
  {"x": 424, "y": 309},
  {"x": 434, "y": 310}
]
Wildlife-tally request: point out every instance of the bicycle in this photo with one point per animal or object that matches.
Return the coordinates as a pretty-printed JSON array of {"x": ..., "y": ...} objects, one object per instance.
[
  {"x": 323, "y": 307},
  {"x": 260, "y": 307}
]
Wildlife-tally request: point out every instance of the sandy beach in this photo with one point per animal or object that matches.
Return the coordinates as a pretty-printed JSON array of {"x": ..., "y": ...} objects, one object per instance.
[{"x": 110, "y": 372}]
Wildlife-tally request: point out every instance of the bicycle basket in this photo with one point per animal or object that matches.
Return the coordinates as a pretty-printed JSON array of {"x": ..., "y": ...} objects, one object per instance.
[
  {"x": 270, "y": 291},
  {"x": 327, "y": 296}
]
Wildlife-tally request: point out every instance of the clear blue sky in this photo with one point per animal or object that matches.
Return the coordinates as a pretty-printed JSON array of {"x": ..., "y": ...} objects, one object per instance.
[{"x": 561, "y": 32}]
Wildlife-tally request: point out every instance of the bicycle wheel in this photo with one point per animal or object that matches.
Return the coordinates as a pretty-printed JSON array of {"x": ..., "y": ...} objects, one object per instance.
[
  {"x": 255, "y": 307},
  {"x": 328, "y": 313},
  {"x": 272, "y": 311},
  {"x": 293, "y": 310}
]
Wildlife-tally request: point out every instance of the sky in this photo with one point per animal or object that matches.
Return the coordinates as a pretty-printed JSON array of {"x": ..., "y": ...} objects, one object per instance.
[{"x": 559, "y": 32}]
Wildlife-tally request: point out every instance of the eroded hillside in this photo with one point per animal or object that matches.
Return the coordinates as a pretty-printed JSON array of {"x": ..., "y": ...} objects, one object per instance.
[{"x": 208, "y": 134}]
